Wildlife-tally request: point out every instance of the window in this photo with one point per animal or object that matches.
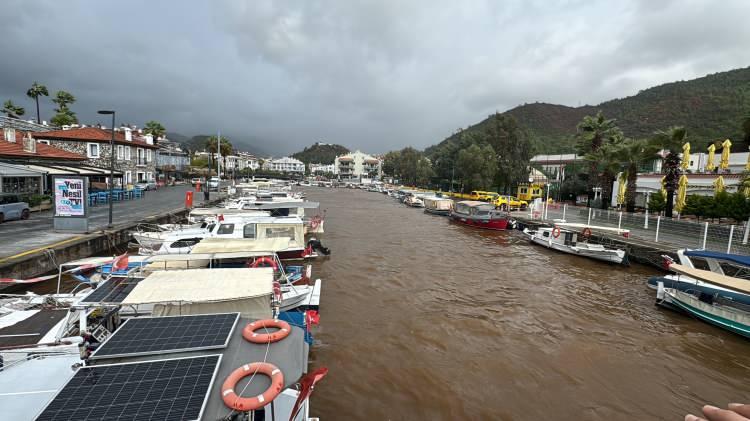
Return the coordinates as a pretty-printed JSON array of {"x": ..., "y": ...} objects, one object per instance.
[
  {"x": 148, "y": 155},
  {"x": 248, "y": 231},
  {"x": 149, "y": 176},
  {"x": 46, "y": 142},
  {"x": 225, "y": 229},
  {"x": 120, "y": 152},
  {"x": 210, "y": 227},
  {"x": 128, "y": 177},
  {"x": 185, "y": 242},
  {"x": 93, "y": 150},
  {"x": 287, "y": 232},
  {"x": 127, "y": 153}
]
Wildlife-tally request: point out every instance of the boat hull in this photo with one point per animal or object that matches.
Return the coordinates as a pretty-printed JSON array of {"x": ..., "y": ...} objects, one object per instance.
[
  {"x": 609, "y": 256},
  {"x": 720, "y": 316},
  {"x": 441, "y": 212},
  {"x": 498, "y": 224},
  {"x": 697, "y": 286}
]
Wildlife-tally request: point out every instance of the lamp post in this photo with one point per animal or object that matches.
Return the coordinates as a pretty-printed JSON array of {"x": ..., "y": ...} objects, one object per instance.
[{"x": 111, "y": 163}]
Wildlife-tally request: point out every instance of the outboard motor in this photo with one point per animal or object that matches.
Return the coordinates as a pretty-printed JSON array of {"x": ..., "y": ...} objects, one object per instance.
[{"x": 316, "y": 245}]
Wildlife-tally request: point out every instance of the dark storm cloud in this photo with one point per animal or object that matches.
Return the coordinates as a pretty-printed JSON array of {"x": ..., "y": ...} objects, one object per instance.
[{"x": 373, "y": 75}]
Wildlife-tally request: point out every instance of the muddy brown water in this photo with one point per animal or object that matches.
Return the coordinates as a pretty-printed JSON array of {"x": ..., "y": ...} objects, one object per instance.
[{"x": 425, "y": 319}]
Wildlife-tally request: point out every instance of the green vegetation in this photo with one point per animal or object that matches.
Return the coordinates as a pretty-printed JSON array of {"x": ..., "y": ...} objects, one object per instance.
[
  {"x": 670, "y": 140},
  {"x": 320, "y": 153},
  {"x": 34, "y": 93},
  {"x": 155, "y": 129},
  {"x": 12, "y": 110},
  {"x": 65, "y": 116},
  {"x": 595, "y": 133},
  {"x": 476, "y": 168},
  {"x": 723, "y": 204},
  {"x": 711, "y": 107},
  {"x": 657, "y": 202},
  {"x": 407, "y": 165},
  {"x": 633, "y": 153}
]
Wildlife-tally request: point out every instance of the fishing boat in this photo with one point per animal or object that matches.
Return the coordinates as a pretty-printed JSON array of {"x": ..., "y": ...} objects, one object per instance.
[
  {"x": 413, "y": 201},
  {"x": 479, "y": 215},
  {"x": 566, "y": 241},
  {"x": 734, "y": 265},
  {"x": 438, "y": 205},
  {"x": 589, "y": 229}
]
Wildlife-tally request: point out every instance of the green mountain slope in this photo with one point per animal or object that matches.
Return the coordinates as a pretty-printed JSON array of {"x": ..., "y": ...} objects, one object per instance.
[
  {"x": 320, "y": 153},
  {"x": 711, "y": 107}
]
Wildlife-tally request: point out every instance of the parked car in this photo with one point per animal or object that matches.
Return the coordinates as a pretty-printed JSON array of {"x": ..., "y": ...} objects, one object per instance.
[
  {"x": 146, "y": 185},
  {"x": 195, "y": 180},
  {"x": 510, "y": 202},
  {"x": 214, "y": 183},
  {"x": 11, "y": 207}
]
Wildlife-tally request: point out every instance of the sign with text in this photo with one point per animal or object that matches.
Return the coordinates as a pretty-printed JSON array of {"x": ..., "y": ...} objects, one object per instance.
[{"x": 70, "y": 196}]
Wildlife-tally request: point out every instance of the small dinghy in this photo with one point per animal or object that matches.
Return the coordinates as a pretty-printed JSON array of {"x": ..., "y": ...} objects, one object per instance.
[{"x": 566, "y": 241}]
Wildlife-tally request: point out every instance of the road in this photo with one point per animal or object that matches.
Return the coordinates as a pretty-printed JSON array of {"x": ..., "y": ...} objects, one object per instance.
[{"x": 21, "y": 236}]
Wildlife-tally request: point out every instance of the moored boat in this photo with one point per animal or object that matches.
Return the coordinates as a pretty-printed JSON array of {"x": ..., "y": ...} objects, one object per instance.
[
  {"x": 479, "y": 215},
  {"x": 438, "y": 205},
  {"x": 566, "y": 241},
  {"x": 414, "y": 202}
]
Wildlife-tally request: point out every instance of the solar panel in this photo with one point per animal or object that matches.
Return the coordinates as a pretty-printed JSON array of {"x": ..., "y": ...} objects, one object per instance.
[
  {"x": 175, "y": 389},
  {"x": 158, "y": 335},
  {"x": 113, "y": 290}
]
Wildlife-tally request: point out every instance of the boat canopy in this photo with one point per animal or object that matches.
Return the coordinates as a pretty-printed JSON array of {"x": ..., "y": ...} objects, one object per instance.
[
  {"x": 231, "y": 245},
  {"x": 736, "y": 284},
  {"x": 203, "y": 291},
  {"x": 734, "y": 258}
]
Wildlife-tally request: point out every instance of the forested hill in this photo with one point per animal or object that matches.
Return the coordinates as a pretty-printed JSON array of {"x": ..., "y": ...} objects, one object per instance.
[
  {"x": 320, "y": 153},
  {"x": 711, "y": 107}
]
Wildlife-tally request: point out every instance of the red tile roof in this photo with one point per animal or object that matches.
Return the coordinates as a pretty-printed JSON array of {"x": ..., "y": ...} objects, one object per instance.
[
  {"x": 92, "y": 134},
  {"x": 15, "y": 150}
]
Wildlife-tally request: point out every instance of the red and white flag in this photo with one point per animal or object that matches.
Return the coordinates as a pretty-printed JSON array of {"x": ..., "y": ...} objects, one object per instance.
[{"x": 120, "y": 262}]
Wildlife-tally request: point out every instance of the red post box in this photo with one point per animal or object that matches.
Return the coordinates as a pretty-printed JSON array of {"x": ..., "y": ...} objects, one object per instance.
[{"x": 188, "y": 199}]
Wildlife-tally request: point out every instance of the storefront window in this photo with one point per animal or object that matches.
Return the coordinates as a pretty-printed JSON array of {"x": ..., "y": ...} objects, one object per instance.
[{"x": 21, "y": 185}]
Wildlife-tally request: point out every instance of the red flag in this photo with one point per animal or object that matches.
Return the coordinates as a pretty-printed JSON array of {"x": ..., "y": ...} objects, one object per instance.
[
  {"x": 26, "y": 281},
  {"x": 312, "y": 317},
  {"x": 221, "y": 218},
  {"x": 120, "y": 262},
  {"x": 306, "y": 387}
]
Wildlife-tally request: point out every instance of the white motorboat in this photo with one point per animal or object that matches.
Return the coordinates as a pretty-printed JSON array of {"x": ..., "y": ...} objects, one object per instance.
[
  {"x": 414, "y": 202},
  {"x": 566, "y": 241}
]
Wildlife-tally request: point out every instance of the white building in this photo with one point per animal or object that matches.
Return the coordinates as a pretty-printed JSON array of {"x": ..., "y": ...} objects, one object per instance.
[
  {"x": 358, "y": 165},
  {"x": 322, "y": 168},
  {"x": 247, "y": 160},
  {"x": 698, "y": 184},
  {"x": 285, "y": 164}
]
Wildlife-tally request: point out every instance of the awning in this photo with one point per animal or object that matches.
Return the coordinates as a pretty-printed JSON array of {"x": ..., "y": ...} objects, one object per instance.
[
  {"x": 10, "y": 170},
  {"x": 87, "y": 170}
]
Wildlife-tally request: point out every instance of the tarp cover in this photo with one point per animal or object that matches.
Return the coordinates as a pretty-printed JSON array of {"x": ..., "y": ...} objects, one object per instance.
[
  {"x": 201, "y": 291},
  {"x": 225, "y": 245},
  {"x": 735, "y": 258}
]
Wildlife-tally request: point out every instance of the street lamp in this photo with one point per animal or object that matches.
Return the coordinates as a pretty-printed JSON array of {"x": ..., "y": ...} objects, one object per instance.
[{"x": 111, "y": 162}]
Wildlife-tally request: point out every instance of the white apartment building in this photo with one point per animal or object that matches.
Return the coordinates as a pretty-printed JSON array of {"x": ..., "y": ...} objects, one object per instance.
[
  {"x": 357, "y": 165},
  {"x": 285, "y": 164},
  {"x": 322, "y": 168}
]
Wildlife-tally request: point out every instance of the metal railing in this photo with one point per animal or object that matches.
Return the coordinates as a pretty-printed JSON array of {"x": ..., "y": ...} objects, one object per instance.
[{"x": 674, "y": 232}]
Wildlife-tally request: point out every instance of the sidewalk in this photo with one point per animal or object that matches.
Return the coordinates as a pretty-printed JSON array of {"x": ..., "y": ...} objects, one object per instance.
[{"x": 21, "y": 237}]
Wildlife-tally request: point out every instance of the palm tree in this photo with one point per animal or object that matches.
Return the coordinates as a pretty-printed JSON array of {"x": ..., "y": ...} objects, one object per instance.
[
  {"x": 35, "y": 92},
  {"x": 593, "y": 132},
  {"x": 226, "y": 147},
  {"x": 670, "y": 141},
  {"x": 633, "y": 153},
  {"x": 155, "y": 129},
  {"x": 12, "y": 110},
  {"x": 606, "y": 164},
  {"x": 64, "y": 114},
  {"x": 62, "y": 99}
]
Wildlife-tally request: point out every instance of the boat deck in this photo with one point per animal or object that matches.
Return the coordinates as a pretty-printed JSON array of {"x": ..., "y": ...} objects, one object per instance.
[{"x": 29, "y": 330}]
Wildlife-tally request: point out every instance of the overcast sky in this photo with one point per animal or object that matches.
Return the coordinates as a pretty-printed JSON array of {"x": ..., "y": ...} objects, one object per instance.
[{"x": 373, "y": 75}]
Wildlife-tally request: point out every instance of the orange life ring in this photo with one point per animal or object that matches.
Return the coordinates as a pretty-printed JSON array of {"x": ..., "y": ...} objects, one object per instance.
[
  {"x": 265, "y": 259},
  {"x": 234, "y": 401},
  {"x": 556, "y": 231},
  {"x": 262, "y": 338},
  {"x": 586, "y": 232}
]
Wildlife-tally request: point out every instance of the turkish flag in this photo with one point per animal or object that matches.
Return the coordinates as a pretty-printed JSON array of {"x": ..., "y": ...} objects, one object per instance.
[
  {"x": 306, "y": 387},
  {"x": 312, "y": 317}
]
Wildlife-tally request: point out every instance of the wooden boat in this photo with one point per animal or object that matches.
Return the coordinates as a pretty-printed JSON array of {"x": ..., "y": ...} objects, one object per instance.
[
  {"x": 438, "y": 205},
  {"x": 721, "y": 310},
  {"x": 566, "y": 241},
  {"x": 479, "y": 215}
]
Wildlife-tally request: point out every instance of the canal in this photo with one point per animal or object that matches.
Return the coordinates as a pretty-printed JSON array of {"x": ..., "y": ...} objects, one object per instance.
[{"x": 424, "y": 319}]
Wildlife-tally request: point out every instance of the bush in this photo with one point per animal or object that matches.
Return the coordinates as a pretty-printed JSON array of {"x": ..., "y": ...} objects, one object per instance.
[
  {"x": 36, "y": 199},
  {"x": 657, "y": 202},
  {"x": 723, "y": 205}
]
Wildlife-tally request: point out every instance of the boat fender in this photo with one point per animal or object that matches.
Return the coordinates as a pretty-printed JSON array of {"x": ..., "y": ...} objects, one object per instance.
[
  {"x": 556, "y": 231},
  {"x": 586, "y": 232},
  {"x": 660, "y": 291},
  {"x": 263, "y": 338},
  {"x": 264, "y": 260},
  {"x": 236, "y": 402}
]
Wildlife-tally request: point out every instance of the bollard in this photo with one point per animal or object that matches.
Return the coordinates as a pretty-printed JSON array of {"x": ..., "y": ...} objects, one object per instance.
[
  {"x": 619, "y": 221},
  {"x": 189, "y": 199},
  {"x": 705, "y": 236},
  {"x": 589, "y": 221},
  {"x": 747, "y": 231},
  {"x": 645, "y": 220},
  {"x": 731, "y": 235},
  {"x": 565, "y": 208},
  {"x": 658, "y": 223}
]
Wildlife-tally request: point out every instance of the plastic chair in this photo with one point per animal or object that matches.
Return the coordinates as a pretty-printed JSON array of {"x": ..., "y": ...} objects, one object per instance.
[{"x": 103, "y": 197}]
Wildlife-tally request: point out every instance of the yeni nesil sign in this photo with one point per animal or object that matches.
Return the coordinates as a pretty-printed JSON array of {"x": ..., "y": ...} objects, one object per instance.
[{"x": 70, "y": 196}]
